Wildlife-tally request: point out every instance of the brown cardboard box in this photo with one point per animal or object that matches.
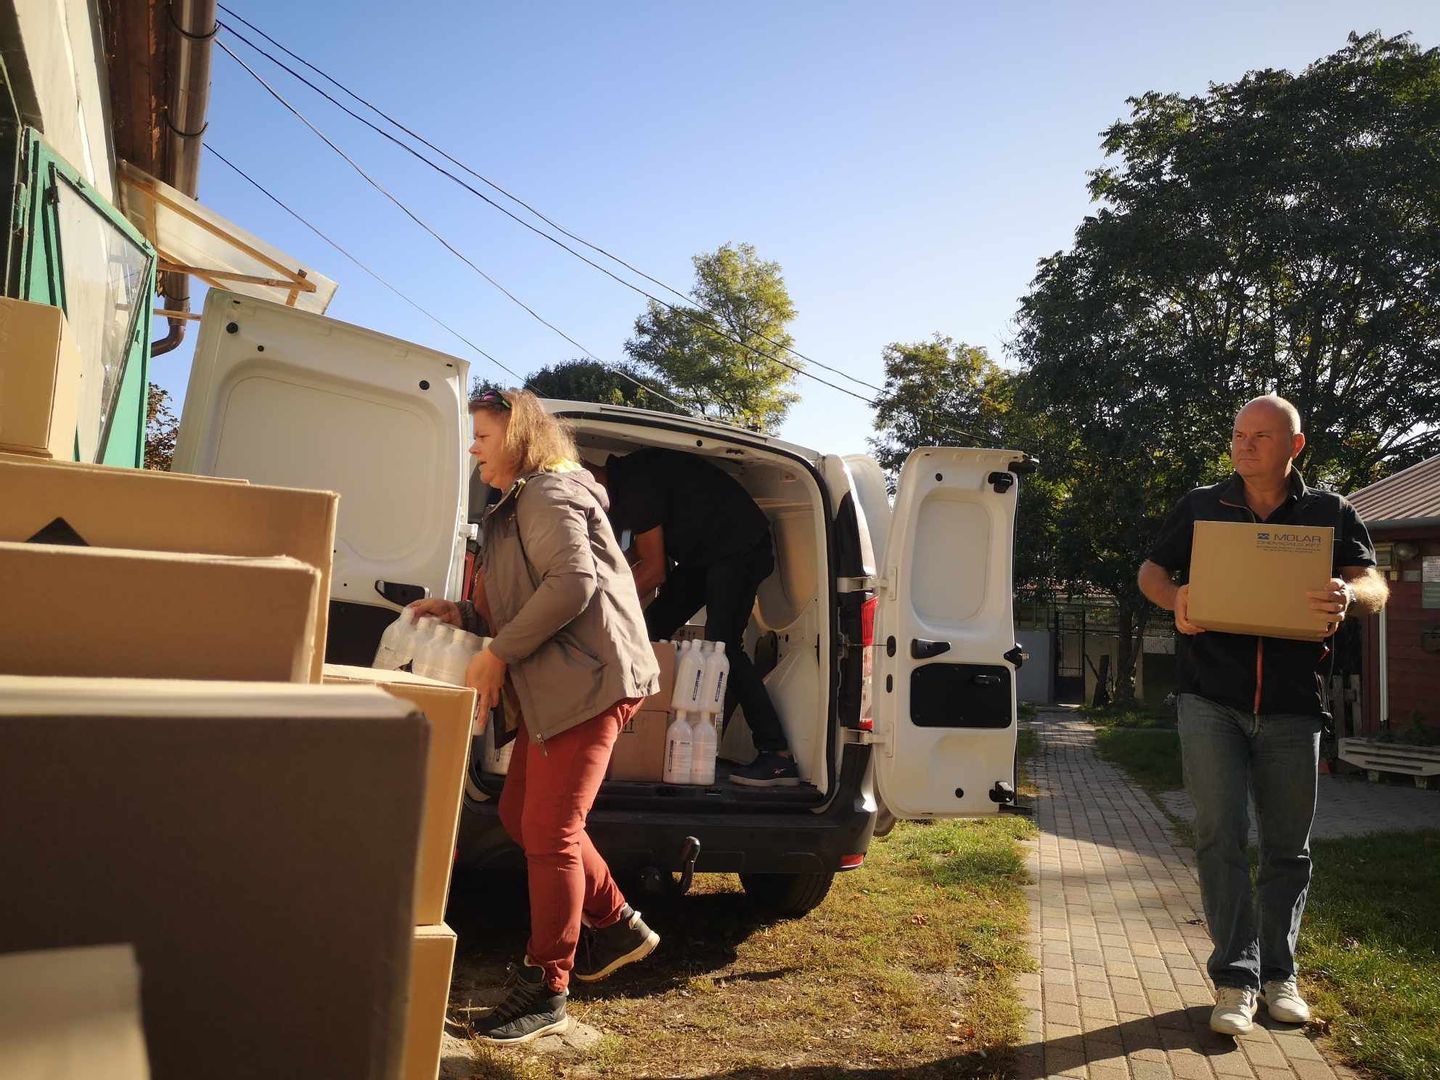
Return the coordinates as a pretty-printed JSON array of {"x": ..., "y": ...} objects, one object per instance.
[
  {"x": 639, "y": 752},
  {"x": 92, "y": 612},
  {"x": 1252, "y": 578},
  {"x": 665, "y": 655},
  {"x": 256, "y": 843},
  {"x": 40, "y": 377},
  {"x": 450, "y": 710},
  {"x": 431, "y": 959},
  {"x": 157, "y": 511}
]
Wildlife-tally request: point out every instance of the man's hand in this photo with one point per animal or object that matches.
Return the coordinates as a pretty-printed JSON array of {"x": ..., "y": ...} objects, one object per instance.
[
  {"x": 1332, "y": 602},
  {"x": 447, "y": 611},
  {"x": 486, "y": 675},
  {"x": 1182, "y": 612}
]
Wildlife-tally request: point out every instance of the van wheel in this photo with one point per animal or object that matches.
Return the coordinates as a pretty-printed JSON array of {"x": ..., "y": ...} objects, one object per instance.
[{"x": 787, "y": 896}]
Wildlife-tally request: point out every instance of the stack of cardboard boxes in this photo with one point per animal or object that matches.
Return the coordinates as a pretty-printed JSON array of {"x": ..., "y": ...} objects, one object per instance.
[
  {"x": 639, "y": 752},
  {"x": 174, "y": 776}
]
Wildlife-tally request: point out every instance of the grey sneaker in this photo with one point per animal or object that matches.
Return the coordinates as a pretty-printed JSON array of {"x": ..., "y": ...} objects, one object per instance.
[
  {"x": 530, "y": 1010},
  {"x": 1282, "y": 999},
  {"x": 1234, "y": 1012},
  {"x": 604, "y": 952}
]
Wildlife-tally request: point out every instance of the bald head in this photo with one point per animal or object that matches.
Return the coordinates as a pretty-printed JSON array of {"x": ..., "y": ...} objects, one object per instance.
[
  {"x": 1271, "y": 404},
  {"x": 1266, "y": 439}
]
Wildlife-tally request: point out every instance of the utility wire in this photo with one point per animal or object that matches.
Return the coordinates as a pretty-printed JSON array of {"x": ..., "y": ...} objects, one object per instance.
[
  {"x": 424, "y": 225},
  {"x": 210, "y": 149},
  {"x": 702, "y": 316}
]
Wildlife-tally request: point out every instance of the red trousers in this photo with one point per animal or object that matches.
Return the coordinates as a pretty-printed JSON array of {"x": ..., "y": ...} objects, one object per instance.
[{"x": 548, "y": 793}]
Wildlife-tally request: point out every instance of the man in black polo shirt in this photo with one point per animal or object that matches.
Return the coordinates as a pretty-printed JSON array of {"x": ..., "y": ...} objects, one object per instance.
[
  {"x": 681, "y": 509},
  {"x": 1250, "y": 717}
]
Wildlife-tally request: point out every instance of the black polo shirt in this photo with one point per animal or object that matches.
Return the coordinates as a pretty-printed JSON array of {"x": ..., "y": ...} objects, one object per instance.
[
  {"x": 1258, "y": 675},
  {"x": 706, "y": 514}
]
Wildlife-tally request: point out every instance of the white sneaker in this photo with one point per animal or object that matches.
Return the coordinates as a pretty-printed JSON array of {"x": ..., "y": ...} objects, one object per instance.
[
  {"x": 1234, "y": 1012},
  {"x": 1283, "y": 1000}
]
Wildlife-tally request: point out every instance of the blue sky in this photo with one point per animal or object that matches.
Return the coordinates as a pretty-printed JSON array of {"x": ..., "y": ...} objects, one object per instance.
[{"x": 905, "y": 163}]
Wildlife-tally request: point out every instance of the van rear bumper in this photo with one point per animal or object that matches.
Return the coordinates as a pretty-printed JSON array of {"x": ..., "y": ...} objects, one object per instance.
[{"x": 773, "y": 842}]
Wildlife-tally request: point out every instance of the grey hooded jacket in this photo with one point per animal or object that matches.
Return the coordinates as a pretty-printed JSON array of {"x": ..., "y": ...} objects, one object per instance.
[{"x": 566, "y": 617}]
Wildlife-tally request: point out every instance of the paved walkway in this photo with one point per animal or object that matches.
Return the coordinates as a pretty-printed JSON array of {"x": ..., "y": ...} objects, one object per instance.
[
  {"x": 1349, "y": 806},
  {"x": 1116, "y": 923}
]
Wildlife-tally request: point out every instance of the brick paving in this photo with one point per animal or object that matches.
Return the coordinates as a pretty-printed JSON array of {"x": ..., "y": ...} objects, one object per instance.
[{"x": 1116, "y": 926}]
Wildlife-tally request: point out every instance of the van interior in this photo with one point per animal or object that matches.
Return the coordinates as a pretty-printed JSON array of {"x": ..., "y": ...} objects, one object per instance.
[{"x": 790, "y": 628}]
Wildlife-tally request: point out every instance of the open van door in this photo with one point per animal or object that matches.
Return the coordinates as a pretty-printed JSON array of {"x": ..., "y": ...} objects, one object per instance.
[
  {"x": 945, "y": 730},
  {"x": 281, "y": 396}
]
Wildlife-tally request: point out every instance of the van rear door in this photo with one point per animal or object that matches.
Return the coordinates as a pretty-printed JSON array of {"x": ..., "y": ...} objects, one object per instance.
[
  {"x": 945, "y": 728},
  {"x": 281, "y": 396}
]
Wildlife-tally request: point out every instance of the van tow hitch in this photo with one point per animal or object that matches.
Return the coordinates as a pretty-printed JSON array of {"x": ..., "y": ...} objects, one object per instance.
[{"x": 689, "y": 852}]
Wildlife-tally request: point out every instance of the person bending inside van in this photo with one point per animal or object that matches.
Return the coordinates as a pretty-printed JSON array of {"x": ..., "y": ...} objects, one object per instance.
[
  {"x": 682, "y": 510},
  {"x": 570, "y": 655}
]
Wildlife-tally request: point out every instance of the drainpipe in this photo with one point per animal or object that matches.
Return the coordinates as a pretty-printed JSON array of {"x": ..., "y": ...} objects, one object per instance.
[
  {"x": 194, "y": 24},
  {"x": 1384, "y": 666}
]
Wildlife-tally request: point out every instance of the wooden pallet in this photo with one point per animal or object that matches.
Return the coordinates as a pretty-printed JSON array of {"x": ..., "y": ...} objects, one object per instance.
[{"x": 1421, "y": 763}]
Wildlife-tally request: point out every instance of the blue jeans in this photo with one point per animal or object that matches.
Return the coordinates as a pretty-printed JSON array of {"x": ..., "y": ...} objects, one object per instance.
[{"x": 1231, "y": 756}]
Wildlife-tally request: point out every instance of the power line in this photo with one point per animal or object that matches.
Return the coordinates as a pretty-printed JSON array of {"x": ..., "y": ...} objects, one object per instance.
[
  {"x": 424, "y": 225},
  {"x": 210, "y": 148},
  {"x": 697, "y": 316}
]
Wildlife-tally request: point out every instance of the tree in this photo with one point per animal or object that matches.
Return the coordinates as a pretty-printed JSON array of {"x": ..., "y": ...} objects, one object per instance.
[
  {"x": 946, "y": 393},
  {"x": 1278, "y": 233},
  {"x": 586, "y": 380},
  {"x": 700, "y": 353},
  {"x": 162, "y": 429}
]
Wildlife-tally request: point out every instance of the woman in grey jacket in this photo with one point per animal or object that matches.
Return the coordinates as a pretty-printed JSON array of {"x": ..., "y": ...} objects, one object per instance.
[{"x": 570, "y": 654}]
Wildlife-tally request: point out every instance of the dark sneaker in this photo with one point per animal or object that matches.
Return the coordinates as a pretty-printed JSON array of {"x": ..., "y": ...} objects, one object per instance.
[
  {"x": 530, "y": 1010},
  {"x": 768, "y": 770},
  {"x": 604, "y": 952}
]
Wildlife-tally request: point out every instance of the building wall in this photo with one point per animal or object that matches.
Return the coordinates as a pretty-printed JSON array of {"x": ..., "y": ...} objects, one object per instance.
[
  {"x": 1414, "y": 675},
  {"x": 60, "y": 42},
  {"x": 1035, "y": 682}
]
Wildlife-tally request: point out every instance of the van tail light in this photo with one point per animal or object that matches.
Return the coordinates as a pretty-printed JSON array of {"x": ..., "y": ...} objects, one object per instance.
[
  {"x": 867, "y": 663},
  {"x": 851, "y": 862}
]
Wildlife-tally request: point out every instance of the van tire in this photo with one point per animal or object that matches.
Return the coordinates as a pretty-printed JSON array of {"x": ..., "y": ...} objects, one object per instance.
[{"x": 787, "y": 896}]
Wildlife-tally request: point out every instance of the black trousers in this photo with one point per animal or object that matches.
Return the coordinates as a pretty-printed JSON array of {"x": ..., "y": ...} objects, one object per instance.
[{"x": 726, "y": 590}]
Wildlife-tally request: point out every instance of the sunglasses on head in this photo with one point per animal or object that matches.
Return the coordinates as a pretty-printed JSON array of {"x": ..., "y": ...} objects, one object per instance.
[{"x": 493, "y": 399}]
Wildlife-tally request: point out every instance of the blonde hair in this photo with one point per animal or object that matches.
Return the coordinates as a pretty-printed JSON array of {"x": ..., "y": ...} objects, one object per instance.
[{"x": 534, "y": 440}]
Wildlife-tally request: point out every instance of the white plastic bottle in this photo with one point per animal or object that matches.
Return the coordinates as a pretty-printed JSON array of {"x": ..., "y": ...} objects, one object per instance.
[
  {"x": 454, "y": 657},
  {"x": 717, "y": 677},
  {"x": 704, "y": 744},
  {"x": 429, "y": 640},
  {"x": 679, "y": 750},
  {"x": 394, "y": 642},
  {"x": 689, "y": 678}
]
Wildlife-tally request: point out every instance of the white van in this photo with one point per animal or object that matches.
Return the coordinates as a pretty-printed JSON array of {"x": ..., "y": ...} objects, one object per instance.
[{"x": 887, "y": 634}]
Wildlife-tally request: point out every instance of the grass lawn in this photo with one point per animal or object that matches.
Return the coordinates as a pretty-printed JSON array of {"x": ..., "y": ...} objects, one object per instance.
[
  {"x": 907, "y": 969},
  {"x": 1370, "y": 950},
  {"x": 1150, "y": 755}
]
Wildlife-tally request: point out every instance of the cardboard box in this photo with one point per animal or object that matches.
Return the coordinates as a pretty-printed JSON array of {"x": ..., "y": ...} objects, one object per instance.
[
  {"x": 432, "y": 959},
  {"x": 71, "y": 1012},
  {"x": 40, "y": 375},
  {"x": 91, "y": 612},
  {"x": 450, "y": 710},
  {"x": 157, "y": 511},
  {"x": 1252, "y": 578},
  {"x": 639, "y": 752},
  {"x": 665, "y": 656},
  {"x": 256, "y": 843}
]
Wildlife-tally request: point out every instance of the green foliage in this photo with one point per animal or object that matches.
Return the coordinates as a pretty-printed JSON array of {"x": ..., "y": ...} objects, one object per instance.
[
  {"x": 743, "y": 298},
  {"x": 586, "y": 380},
  {"x": 946, "y": 393},
  {"x": 162, "y": 430}
]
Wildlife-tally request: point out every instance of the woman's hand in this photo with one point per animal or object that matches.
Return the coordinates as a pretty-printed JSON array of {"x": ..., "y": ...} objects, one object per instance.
[
  {"x": 486, "y": 675},
  {"x": 445, "y": 610}
]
